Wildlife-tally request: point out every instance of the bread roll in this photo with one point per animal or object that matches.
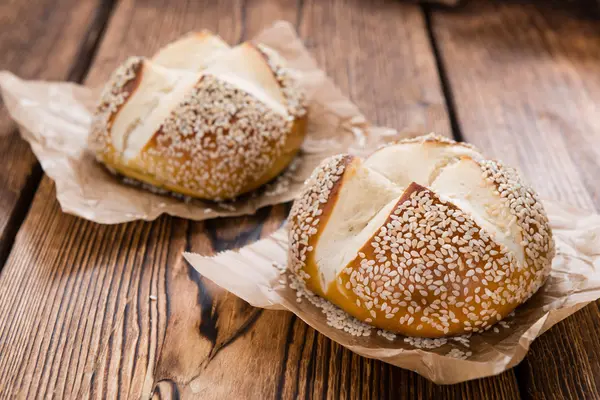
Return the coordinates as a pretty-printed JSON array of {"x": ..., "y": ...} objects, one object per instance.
[
  {"x": 211, "y": 131},
  {"x": 425, "y": 237}
]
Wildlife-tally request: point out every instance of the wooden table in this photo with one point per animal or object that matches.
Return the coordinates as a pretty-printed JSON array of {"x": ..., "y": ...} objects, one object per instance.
[{"x": 521, "y": 81}]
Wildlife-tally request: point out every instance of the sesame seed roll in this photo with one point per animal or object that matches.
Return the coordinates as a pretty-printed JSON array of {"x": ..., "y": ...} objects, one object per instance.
[
  {"x": 425, "y": 237},
  {"x": 201, "y": 119}
]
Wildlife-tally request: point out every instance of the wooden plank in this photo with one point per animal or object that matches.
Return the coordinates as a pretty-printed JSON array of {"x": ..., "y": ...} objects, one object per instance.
[
  {"x": 526, "y": 85},
  {"x": 102, "y": 311},
  {"x": 41, "y": 39},
  {"x": 394, "y": 82}
]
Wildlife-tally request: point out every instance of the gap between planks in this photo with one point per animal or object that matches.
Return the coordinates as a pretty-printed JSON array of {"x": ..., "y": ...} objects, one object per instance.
[{"x": 426, "y": 9}]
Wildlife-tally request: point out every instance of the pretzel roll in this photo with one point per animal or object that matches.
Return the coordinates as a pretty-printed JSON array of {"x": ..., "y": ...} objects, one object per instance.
[
  {"x": 425, "y": 237},
  {"x": 214, "y": 134}
]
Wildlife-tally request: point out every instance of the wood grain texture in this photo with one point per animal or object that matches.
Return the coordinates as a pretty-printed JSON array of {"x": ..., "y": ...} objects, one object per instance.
[
  {"x": 526, "y": 85},
  {"x": 380, "y": 55},
  {"x": 41, "y": 39}
]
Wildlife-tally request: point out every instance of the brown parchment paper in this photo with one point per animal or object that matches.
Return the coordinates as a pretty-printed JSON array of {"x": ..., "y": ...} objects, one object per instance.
[
  {"x": 250, "y": 274},
  {"x": 54, "y": 117}
]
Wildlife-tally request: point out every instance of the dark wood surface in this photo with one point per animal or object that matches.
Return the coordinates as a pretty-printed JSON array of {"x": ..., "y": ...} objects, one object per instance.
[{"x": 76, "y": 317}]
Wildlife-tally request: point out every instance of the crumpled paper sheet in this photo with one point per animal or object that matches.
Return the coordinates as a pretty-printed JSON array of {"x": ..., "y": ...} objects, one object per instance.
[
  {"x": 250, "y": 274},
  {"x": 55, "y": 117}
]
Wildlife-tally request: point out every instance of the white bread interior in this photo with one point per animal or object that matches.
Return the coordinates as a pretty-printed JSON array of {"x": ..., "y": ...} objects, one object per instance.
[
  {"x": 193, "y": 52},
  {"x": 159, "y": 90},
  {"x": 415, "y": 162},
  {"x": 245, "y": 67},
  {"x": 364, "y": 201},
  {"x": 462, "y": 184}
]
